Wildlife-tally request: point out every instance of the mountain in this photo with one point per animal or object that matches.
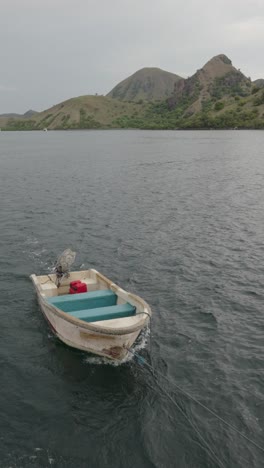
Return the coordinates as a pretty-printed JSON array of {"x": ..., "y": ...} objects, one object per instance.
[
  {"x": 29, "y": 113},
  {"x": 148, "y": 84},
  {"x": 216, "y": 96},
  {"x": 217, "y": 79},
  {"x": 26, "y": 115},
  {"x": 259, "y": 83}
]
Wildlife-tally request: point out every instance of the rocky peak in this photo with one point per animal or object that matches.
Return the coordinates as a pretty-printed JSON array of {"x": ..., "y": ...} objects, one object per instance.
[
  {"x": 220, "y": 58},
  {"x": 217, "y": 66}
]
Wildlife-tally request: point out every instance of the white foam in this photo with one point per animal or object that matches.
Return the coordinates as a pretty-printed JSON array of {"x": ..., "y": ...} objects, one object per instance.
[{"x": 37, "y": 252}]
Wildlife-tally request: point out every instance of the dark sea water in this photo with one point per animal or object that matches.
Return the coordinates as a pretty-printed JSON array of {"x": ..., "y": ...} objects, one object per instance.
[{"x": 175, "y": 217}]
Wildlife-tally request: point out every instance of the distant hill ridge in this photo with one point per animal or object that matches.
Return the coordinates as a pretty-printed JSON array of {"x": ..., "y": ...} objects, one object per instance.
[
  {"x": 26, "y": 115},
  {"x": 259, "y": 83},
  {"x": 216, "y": 96},
  {"x": 147, "y": 84}
]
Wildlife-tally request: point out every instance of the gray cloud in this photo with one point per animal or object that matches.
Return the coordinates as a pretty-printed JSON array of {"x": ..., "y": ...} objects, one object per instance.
[{"x": 56, "y": 49}]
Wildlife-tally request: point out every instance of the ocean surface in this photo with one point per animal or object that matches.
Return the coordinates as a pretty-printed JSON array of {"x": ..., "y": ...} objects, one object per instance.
[{"x": 175, "y": 217}]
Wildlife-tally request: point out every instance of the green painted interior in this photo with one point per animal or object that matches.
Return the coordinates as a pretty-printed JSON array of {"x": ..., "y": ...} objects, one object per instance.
[
  {"x": 105, "y": 313},
  {"x": 84, "y": 301}
]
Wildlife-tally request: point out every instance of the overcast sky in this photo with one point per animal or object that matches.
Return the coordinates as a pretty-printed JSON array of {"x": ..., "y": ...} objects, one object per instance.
[{"x": 52, "y": 50}]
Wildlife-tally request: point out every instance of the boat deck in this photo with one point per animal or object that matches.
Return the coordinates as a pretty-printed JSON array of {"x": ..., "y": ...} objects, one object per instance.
[
  {"x": 138, "y": 310},
  {"x": 93, "y": 306}
]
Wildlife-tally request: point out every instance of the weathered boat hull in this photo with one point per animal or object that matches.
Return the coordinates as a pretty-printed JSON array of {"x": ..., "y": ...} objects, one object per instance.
[
  {"x": 108, "y": 345},
  {"x": 113, "y": 342}
]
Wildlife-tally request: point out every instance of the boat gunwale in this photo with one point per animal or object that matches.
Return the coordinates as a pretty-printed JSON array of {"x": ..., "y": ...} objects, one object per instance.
[{"x": 100, "y": 330}]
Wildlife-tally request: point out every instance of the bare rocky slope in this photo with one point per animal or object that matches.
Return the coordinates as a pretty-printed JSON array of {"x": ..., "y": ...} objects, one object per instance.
[
  {"x": 217, "y": 79},
  {"x": 148, "y": 84},
  {"x": 259, "y": 83}
]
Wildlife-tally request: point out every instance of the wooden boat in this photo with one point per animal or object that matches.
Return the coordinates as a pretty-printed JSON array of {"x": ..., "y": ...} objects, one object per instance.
[{"x": 105, "y": 320}]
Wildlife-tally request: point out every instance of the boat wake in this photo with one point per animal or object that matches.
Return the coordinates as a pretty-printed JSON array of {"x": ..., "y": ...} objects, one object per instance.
[
  {"x": 36, "y": 253},
  {"x": 140, "y": 343}
]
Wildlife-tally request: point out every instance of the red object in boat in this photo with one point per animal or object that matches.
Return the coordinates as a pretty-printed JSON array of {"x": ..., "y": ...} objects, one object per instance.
[{"x": 77, "y": 287}]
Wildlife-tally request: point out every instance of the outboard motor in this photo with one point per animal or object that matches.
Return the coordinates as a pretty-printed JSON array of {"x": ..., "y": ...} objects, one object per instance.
[{"x": 63, "y": 264}]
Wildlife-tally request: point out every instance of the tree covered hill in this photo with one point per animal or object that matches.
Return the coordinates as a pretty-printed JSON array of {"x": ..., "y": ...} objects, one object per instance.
[{"x": 216, "y": 96}]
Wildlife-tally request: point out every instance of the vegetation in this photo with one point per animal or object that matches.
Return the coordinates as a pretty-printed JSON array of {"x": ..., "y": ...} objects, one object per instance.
[
  {"x": 232, "y": 84},
  {"x": 259, "y": 100},
  {"x": 216, "y": 96},
  {"x": 13, "y": 124},
  {"x": 87, "y": 121},
  {"x": 204, "y": 119},
  {"x": 219, "y": 105},
  {"x": 220, "y": 114}
]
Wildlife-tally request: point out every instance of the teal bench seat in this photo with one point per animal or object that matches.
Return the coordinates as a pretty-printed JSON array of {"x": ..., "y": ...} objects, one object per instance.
[
  {"x": 84, "y": 301},
  {"x": 105, "y": 313}
]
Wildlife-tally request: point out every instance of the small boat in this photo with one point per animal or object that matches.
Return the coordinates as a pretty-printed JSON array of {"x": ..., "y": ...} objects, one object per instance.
[{"x": 103, "y": 319}]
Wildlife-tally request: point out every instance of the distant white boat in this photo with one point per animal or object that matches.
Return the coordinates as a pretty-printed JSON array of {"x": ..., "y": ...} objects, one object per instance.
[{"x": 45, "y": 129}]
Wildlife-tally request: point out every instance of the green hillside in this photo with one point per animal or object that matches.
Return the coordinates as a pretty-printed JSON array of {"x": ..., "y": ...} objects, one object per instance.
[
  {"x": 217, "y": 96},
  {"x": 84, "y": 112}
]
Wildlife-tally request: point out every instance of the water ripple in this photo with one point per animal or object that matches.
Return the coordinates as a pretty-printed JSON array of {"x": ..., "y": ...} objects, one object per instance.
[{"x": 177, "y": 218}]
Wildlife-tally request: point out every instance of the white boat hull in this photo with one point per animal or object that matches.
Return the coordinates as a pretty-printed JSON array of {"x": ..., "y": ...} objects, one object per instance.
[{"x": 112, "y": 339}]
